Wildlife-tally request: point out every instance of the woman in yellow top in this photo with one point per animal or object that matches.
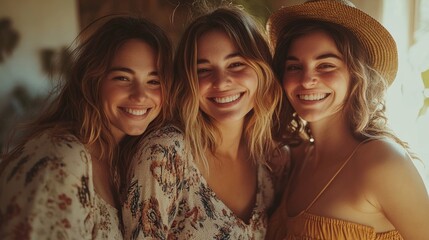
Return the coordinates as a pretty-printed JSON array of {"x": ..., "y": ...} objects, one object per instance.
[{"x": 351, "y": 178}]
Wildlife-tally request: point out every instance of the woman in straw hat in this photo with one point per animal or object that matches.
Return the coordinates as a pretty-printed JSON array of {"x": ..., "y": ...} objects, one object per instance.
[
  {"x": 351, "y": 177},
  {"x": 206, "y": 176},
  {"x": 60, "y": 181}
]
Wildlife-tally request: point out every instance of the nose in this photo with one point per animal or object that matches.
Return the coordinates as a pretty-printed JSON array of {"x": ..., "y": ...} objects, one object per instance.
[
  {"x": 221, "y": 80},
  {"x": 309, "y": 79},
  {"x": 138, "y": 92}
]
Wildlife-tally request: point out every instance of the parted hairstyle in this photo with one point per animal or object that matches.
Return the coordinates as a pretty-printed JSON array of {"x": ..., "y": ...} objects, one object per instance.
[
  {"x": 75, "y": 104},
  {"x": 364, "y": 107},
  {"x": 249, "y": 36}
]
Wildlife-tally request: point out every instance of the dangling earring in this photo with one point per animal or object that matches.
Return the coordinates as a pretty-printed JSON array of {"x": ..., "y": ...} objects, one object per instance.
[
  {"x": 308, "y": 131},
  {"x": 309, "y": 149}
]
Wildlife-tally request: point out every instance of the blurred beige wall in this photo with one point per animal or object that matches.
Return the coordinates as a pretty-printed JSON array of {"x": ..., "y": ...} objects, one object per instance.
[{"x": 41, "y": 24}]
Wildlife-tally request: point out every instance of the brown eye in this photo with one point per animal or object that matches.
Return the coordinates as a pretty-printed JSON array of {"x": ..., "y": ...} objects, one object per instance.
[
  {"x": 121, "y": 78},
  {"x": 154, "y": 82},
  {"x": 236, "y": 64},
  {"x": 291, "y": 68},
  {"x": 203, "y": 72}
]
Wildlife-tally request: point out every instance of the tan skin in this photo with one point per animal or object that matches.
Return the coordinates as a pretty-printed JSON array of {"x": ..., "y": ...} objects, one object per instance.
[
  {"x": 232, "y": 176},
  {"x": 379, "y": 187},
  {"x": 131, "y": 99},
  {"x": 102, "y": 181},
  {"x": 225, "y": 75}
]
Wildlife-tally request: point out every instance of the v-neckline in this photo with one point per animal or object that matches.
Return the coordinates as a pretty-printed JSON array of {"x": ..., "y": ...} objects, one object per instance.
[{"x": 258, "y": 198}]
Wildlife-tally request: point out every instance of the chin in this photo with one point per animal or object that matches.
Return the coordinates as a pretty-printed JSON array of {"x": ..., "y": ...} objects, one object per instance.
[{"x": 137, "y": 132}]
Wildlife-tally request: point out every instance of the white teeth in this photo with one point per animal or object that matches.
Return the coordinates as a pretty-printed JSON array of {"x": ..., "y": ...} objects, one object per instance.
[
  {"x": 313, "y": 96},
  {"x": 227, "y": 99},
  {"x": 135, "y": 111}
]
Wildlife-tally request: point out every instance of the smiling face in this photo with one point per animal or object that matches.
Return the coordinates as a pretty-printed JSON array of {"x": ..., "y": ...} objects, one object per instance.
[
  {"x": 131, "y": 91},
  {"x": 227, "y": 83},
  {"x": 316, "y": 78}
]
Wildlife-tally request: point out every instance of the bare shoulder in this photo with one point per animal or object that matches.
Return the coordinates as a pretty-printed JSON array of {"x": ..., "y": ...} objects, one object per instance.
[
  {"x": 385, "y": 166},
  {"x": 382, "y": 154},
  {"x": 391, "y": 183}
]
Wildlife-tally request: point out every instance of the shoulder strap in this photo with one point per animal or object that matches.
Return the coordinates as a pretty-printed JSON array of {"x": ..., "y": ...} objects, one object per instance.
[{"x": 337, "y": 172}]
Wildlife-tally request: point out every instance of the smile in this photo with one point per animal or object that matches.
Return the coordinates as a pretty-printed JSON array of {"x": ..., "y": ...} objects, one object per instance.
[
  {"x": 227, "y": 99},
  {"x": 135, "y": 112},
  {"x": 313, "y": 96}
]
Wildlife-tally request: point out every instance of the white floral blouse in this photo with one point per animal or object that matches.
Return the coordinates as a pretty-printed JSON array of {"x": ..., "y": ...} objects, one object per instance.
[
  {"x": 168, "y": 198},
  {"x": 47, "y": 192}
]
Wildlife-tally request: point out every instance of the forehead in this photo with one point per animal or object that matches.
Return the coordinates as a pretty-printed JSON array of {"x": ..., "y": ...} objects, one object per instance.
[
  {"x": 134, "y": 48},
  {"x": 214, "y": 41}
]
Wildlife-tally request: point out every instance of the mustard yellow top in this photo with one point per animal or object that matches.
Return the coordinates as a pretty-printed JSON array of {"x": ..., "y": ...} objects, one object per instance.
[{"x": 307, "y": 226}]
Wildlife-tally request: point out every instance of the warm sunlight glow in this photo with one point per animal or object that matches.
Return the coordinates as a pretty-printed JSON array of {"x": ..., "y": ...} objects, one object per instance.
[{"x": 406, "y": 97}]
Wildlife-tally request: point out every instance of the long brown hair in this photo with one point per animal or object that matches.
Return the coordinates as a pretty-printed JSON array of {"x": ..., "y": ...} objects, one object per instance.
[
  {"x": 75, "y": 104},
  {"x": 365, "y": 106}
]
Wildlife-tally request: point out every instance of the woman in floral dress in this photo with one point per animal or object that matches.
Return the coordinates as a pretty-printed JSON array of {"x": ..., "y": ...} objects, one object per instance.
[
  {"x": 60, "y": 181},
  {"x": 207, "y": 176}
]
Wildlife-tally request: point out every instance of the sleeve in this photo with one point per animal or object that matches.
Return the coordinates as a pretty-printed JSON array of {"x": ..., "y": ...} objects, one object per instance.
[
  {"x": 45, "y": 194},
  {"x": 157, "y": 180}
]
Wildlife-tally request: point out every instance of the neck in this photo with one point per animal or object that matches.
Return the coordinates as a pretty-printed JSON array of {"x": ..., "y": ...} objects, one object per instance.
[
  {"x": 231, "y": 143},
  {"x": 332, "y": 137},
  {"x": 96, "y": 154}
]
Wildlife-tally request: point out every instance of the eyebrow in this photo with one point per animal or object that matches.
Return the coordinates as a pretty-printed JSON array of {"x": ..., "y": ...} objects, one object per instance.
[
  {"x": 128, "y": 70},
  {"x": 323, "y": 56},
  {"x": 232, "y": 55}
]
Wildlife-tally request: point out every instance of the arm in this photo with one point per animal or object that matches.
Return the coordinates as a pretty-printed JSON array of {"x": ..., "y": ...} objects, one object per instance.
[
  {"x": 400, "y": 192},
  {"x": 43, "y": 197},
  {"x": 157, "y": 177}
]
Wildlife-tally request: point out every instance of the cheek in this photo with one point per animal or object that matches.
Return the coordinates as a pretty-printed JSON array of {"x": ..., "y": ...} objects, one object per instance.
[
  {"x": 107, "y": 93},
  {"x": 203, "y": 87},
  {"x": 252, "y": 80},
  {"x": 247, "y": 79},
  {"x": 203, "y": 84},
  {"x": 286, "y": 84},
  {"x": 288, "y": 87},
  {"x": 156, "y": 96}
]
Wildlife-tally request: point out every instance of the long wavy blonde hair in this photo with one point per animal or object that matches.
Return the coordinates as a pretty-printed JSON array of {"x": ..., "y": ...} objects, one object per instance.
[{"x": 250, "y": 39}]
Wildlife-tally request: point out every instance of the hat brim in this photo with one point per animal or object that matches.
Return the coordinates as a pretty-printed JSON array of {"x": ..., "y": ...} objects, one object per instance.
[{"x": 373, "y": 36}]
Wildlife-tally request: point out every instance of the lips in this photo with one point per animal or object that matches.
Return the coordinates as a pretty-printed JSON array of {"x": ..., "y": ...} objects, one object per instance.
[
  {"x": 227, "y": 99},
  {"x": 313, "y": 96}
]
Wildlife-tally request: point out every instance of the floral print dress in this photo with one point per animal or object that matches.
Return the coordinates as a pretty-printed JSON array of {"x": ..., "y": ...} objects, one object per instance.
[
  {"x": 168, "y": 198},
  {"x": 47, "y": 192}
]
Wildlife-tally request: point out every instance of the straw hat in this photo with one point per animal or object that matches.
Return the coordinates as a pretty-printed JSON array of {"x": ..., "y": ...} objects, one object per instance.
[{"x": 373, "y": 36}]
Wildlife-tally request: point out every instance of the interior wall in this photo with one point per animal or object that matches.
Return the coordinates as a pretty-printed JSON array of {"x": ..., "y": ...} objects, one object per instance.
[
  {"x": 44, "y": 28},
  {"x": 41, "y": 24}
]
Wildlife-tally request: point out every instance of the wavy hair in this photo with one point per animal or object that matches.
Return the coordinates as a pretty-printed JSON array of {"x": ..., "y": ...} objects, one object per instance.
[
  {"x": 75, "y": 104},
  {"x": 250, "y": 39},
  {"x": 364, "y": 108}
]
